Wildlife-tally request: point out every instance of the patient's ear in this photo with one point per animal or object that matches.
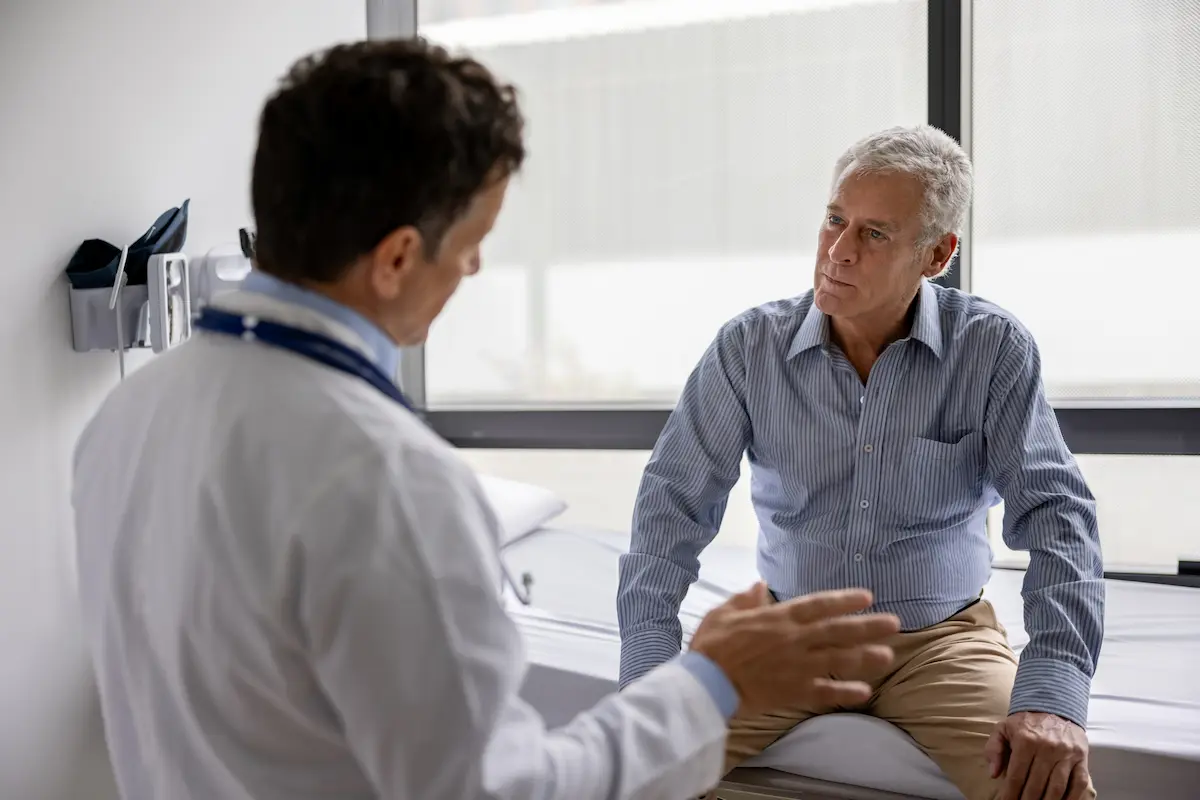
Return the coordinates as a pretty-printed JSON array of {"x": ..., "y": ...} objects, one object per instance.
[{"x": 940, "y": 256}]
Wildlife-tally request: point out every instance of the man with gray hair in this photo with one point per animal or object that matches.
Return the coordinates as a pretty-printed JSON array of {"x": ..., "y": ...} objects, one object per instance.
[{"x": 883, "y": 415}]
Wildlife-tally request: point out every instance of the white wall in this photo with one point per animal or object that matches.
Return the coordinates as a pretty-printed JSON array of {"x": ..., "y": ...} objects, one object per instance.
[{"x": 110, "y": 112}]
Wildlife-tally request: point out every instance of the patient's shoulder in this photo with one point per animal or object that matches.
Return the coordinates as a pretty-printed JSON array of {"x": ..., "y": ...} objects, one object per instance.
[{"x": 970, "y": 318}]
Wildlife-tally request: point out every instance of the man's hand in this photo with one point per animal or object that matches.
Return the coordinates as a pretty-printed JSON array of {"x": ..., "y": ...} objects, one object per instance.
[
  {"x": 1040, "y": 756},
  {"x": 781, "y": 654}
]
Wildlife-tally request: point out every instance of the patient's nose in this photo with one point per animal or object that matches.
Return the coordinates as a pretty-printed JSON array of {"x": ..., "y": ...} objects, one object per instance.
[{"x": 844, "y": 249}]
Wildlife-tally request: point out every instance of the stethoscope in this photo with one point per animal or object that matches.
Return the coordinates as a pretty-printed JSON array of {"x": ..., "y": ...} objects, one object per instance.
[{"x": 336, "y": 355}]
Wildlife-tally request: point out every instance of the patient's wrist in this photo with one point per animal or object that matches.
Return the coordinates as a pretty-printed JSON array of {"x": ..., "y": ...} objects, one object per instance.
[{"x": 645, "y": 650}]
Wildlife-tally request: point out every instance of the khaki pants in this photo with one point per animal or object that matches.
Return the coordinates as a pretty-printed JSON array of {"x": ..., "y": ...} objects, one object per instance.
[{"x": 948, "y": 688}]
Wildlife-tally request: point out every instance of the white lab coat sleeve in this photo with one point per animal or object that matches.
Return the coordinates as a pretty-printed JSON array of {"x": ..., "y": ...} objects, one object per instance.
[
  {"x": 660, "y": 739},
  {"x": 399, "y": 604}
]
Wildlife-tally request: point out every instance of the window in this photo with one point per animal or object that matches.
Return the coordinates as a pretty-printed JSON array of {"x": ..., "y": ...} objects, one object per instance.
[
  {"x": 1138, "y": 508},
  {"x": 1087, "y": 213},
  {"x": 600, "y": 487},
  {"x": 1142, "y": 526},
  {"x": 681, "y": 152},
  {"x": 433, "y": 12}
]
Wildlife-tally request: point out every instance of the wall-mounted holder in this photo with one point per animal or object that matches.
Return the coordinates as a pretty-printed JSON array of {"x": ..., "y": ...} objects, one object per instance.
[
  {"x": 221, "y": 270},
  {"x": 156, "y": 315},
  {"x": 170, "y": 300}
]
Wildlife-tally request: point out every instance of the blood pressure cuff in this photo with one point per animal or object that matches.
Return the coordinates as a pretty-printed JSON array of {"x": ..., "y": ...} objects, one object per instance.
[{"x": 95, "y": 262}]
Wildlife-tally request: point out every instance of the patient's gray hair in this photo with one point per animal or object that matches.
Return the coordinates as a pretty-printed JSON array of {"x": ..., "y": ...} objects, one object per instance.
[{"x": 927, "y": 154}]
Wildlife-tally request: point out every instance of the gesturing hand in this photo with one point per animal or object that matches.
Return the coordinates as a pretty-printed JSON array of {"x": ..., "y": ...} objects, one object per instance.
[
  {"x": 1040, "y": 756},
  {"x": 780, "y": 654}
]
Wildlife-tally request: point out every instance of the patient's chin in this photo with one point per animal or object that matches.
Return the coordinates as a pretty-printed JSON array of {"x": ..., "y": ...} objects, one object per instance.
[{"x": 828, "y": 302}]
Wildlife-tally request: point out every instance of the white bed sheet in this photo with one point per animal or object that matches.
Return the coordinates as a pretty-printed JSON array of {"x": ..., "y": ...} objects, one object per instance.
[{"x": 1145, "y": 710}]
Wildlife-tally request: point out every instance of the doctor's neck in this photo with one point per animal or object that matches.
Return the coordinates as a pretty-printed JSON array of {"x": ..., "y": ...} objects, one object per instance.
[{"x": 353, "y": 291}]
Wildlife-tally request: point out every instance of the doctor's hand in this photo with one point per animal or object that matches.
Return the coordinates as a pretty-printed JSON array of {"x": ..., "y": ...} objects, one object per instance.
[
  {"x": 1040, "y": 756},
  {"x": 781, "y": 654}
]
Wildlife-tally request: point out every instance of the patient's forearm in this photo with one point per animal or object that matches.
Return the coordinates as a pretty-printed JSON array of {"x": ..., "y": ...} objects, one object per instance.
[
  {"x": 681, "y": 500},
  {"x": 648, "y": 600}
]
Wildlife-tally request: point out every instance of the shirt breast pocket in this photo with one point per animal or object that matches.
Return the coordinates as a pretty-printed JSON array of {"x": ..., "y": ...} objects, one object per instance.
[{"x": 942, "y": 481}]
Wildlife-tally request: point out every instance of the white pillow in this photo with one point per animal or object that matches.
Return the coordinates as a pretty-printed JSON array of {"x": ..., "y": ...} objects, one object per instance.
[{"x": 522, "y": 508}]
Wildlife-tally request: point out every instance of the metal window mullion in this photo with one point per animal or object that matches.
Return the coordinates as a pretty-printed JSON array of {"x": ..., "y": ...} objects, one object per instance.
[
  {"x": 966, "y": 132},
  {"x": 945, "y": 74},
  {"x": 391, "y": 19}
]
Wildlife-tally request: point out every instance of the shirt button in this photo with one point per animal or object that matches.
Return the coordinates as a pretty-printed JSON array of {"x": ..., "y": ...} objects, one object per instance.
[
  {"x": 862, "y": 399},
  {"x": 864, "y": 503},
  {"x": 858, "y": 556},
  {"x": 868, "y": 447}
]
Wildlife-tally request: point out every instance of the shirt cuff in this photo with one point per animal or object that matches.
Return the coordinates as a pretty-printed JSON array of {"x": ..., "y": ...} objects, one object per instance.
[
  {"x": 645, "y": 650},
  {"x": 713, "y": 678},
  {"x": 1052, "y": 687}
]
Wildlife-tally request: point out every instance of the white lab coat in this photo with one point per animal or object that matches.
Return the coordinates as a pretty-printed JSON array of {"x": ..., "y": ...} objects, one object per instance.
[{"x": 291, "y": 589}]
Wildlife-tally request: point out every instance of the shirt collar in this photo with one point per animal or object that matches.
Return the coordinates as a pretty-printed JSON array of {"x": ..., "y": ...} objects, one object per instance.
[
  {"x": 927, "y": 323},
  {"x": 383, "y": 350},
  {"x": 926, "y": 327}
]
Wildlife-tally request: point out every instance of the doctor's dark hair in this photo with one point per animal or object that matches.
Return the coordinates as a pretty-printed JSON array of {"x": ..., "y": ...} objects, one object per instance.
[{"x": 369, "y": 137}]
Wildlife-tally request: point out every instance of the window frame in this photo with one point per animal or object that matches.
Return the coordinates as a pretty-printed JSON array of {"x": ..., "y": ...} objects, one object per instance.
[{"x": 1112, "y": 428}]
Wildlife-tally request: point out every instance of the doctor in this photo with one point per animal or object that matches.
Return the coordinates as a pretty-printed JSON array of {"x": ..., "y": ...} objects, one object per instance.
[{"x": 290, "y": 584}]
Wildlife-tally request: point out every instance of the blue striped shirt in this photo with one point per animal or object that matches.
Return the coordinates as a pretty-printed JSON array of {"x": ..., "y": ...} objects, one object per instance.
[{"x": 884, "y": 485}]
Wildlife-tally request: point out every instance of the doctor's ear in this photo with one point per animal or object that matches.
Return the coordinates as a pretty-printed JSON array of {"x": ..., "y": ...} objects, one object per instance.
[{"x": 395, "y": 259}]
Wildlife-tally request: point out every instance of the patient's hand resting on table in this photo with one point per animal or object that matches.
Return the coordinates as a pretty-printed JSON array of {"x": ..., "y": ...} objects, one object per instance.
[{"x": 781, "y": 654}]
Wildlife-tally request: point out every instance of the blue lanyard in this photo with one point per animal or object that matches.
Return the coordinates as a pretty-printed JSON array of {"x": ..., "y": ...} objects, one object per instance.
[{"x": 313, "y": 346}]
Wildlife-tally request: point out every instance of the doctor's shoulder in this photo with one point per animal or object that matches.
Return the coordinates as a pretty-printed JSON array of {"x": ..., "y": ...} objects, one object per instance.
[
  {"x": 417, "y": 462},
  {"x": 415, "y": 491}
]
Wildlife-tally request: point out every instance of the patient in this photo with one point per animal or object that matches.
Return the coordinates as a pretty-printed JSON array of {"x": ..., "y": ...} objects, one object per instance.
[{"x": 882, "y": 415}]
